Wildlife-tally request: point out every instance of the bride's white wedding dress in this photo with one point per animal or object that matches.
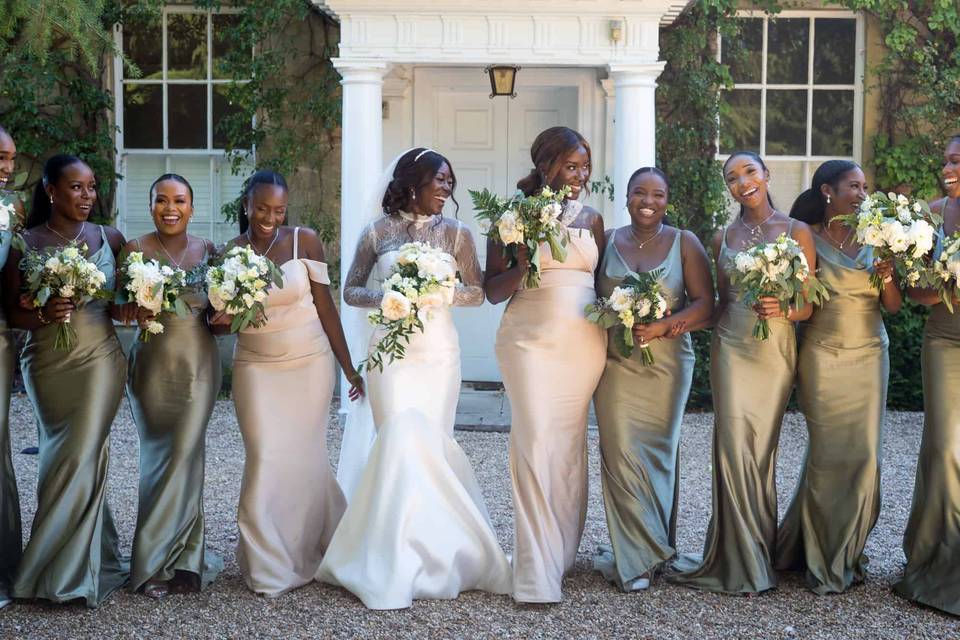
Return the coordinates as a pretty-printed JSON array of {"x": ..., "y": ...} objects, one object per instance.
[{"x": 416, "y": 526}]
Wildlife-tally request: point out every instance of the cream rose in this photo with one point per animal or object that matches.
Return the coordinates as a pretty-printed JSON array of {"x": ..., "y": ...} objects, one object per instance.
[{"x": 394, "y": 306}]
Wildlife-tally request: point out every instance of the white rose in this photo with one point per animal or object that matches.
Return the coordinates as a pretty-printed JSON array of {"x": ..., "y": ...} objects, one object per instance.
[
  {"x": 6, "y": 212},
  {"x": 148, "y": 301},
  {"x": 744, "y": 262},
  {"x": 871, "y": 237},
  {"x": 429, "y": 302},
  {"x": 621, "y": 299},
  {"x": 52, "y": 264},
  {"x": 510, "y": 228},
  {"x": 66, "y": 291},
  {"x": 921, "y": 236},
  {"x": 394, "y": 306},
  {"x": 71, "y": 253},
  {"x": 643, "y": 308}
]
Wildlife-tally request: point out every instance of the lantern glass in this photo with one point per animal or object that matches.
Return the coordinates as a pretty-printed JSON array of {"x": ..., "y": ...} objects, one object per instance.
[{"x": 502, "y": 80}]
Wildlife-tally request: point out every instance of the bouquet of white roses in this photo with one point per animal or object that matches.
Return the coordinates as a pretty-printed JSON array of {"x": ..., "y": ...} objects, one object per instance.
[
  {"x": 61, "y": 272},
  {"x": 777, "y": 269},
  {"x": 8, "y": 214},
  {"x": 525, "y": 220},
  {"x": 153, "y": 286},
  {"x": 422, "y": 281},
  {"x": 943, "y": 274},
  {"x": 238, "y": 284},
  {"x": 638, "y": 299},
  {"x": 896, "y": 227}
]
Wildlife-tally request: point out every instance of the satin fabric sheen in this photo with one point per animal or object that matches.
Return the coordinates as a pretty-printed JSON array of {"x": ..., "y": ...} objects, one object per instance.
[
  {"x": 283, "y": 381},
  {"x": 551, "y": 359},
  {"x": 639, "y": 413},
  {"x": 932, "y": 539},
  {"x": 417, "y": 526},
  {"x": 751, "y": 382},
  {"x": 172, "y": 387},
  {"x": 73, "y": 551},
  {"x": 842, "y": 390},
  {"x": 10, "y": 526}
]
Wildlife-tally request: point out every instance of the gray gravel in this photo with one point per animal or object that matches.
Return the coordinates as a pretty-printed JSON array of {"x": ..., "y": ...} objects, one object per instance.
[{"x": 591, "y": 609}]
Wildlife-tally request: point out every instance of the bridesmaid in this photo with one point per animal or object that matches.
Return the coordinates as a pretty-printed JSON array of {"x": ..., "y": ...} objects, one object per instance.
[
  {"x": 72, "y": 553},
  {"x": 173, "y": 384},
  {"x": 10, "y": 533},
  {"x": 932, "y": 540},
  {"x": 751, "y": 382},
  {"x": 283, "y": 381},
  {"x": 551, "y": 358},
  {"x": 640, "y": 408},
  {"x": 842, "y": 389}
]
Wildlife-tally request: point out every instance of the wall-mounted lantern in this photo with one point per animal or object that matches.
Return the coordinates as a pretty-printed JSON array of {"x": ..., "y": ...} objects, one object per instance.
[{"x": 503, "y": 78}]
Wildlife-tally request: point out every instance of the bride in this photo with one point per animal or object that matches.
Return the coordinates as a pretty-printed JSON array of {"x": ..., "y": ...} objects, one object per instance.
[{"x": 416, "y": 525}]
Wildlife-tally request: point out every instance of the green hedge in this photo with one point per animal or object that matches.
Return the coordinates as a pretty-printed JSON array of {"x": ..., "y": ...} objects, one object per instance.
[{"x": 905, "y": 390}]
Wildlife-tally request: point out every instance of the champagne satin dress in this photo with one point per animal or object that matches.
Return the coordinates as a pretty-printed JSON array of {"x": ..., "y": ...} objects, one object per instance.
[
  {"x": 283, "y": 379},
  {"x": 639, "y": 411},
  {"x": 172, "y": 387},
  {"x": 417, "y": 526},
  {"x": 73, "y": 551},
  {"x": 551, "y": 359},
  {"x": 10, "y": 528},
  {"x": 932, "y": 539},
  {"x": 751, "y": 381},
  {"x": 842, "y": 389}
]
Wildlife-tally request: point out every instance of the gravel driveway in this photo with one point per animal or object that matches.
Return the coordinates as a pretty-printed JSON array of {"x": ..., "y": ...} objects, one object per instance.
[{"x": 591, "y": 609}]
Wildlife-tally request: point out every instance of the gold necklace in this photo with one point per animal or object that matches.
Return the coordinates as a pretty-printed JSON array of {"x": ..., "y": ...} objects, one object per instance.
[
  {"x": 825, "y": 229},
  {"x": 183, "y": 257},
  {"x": 640, "y": 245},
  {"x": 756, "y": 231},
  {"x": 83, "y": 226}
]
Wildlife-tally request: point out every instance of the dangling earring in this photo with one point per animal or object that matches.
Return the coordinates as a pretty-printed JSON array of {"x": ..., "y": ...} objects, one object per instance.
[
  {"x": 413, "y": 195},
  {"x": 51, "y": 199},
  {"x": 828, "y": 198}
]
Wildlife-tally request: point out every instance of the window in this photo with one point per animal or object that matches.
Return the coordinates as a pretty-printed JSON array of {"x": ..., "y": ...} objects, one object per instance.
[
  {"x": 168, "y": 116},
  {"x": 797, "y": 96}
]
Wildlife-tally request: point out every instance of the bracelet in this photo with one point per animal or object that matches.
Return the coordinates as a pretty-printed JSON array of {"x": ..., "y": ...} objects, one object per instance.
[{"x": 43, "y": 320}]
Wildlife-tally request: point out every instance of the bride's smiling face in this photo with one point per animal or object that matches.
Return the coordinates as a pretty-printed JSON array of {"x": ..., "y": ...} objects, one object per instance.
[{"x": 431, "y": 197}]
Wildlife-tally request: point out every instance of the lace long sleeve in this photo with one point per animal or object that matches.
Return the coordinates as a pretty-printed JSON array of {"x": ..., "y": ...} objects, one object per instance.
[
  {"x": 470, "y": 292},
  {"x": 355, "y": 290}
]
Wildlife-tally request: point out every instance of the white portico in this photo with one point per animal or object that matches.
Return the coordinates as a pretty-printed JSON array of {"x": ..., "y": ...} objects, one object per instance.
[{"x": 413, "y": 76}]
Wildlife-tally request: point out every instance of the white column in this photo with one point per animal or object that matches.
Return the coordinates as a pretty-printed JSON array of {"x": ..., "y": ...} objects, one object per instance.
[
  {"x": 634, "y": 126},
  {"x": 361, "y": 149}
]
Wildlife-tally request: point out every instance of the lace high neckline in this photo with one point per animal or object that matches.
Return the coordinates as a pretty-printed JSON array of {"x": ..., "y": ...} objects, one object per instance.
[{"x": 416, "y": 217}]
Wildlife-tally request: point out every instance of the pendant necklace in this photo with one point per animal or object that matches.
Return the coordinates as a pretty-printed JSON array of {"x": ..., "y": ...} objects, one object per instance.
[
  {"x": 176, "y": 263},
  {"x": 640, "y": 245},
  {"x": 756, "y": 231},
  {"x": 83, "y": 226},
  {"x": 276, "y": 235}
]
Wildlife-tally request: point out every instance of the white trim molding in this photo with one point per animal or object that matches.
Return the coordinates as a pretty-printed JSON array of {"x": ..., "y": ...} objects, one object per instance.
[{"x": 542, "y": 32}]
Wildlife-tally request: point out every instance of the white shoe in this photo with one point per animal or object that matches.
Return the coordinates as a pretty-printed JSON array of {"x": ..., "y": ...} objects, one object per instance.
[{"x": 640, "y": 584}]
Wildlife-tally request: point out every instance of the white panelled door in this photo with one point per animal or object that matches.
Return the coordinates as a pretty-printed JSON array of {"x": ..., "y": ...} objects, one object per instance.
[{"x": 488, "y": 143}]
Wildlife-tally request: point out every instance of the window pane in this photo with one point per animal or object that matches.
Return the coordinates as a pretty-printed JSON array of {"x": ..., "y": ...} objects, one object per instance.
[
  {"x": 187, "y": 46},
  {"x": 143, "y": 44},
  {"x": 787, "y": 122},
  {"x": 744, "y": 52},
  {"x": 187, "y": 105},
  {"x": 740, "y": 126},
  {"x": 223, "y": 42},
  {"x": 832, "y": 123},
  {"x": 222, "y": 108},
  {"x": 835, "y": 53},
  {"x": 787, "y": 40},
  {"x": 143, "y": 116}
]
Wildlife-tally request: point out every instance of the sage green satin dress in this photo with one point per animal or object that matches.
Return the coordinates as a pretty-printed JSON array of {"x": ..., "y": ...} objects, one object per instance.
[
  {"x": 932, "y": 539},
  {"x": 10, "y": 531},
  {"x": 842, "y": 389},
  {"x": 73, "y": 550},
  {"x": 751, "y": 381},
  {"x": 173, "y": 384},
  {"x": 639, "y": 412}
]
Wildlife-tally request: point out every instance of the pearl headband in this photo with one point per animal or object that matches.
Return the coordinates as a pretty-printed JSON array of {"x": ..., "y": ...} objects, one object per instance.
[{"x": 420, "y": 155}]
